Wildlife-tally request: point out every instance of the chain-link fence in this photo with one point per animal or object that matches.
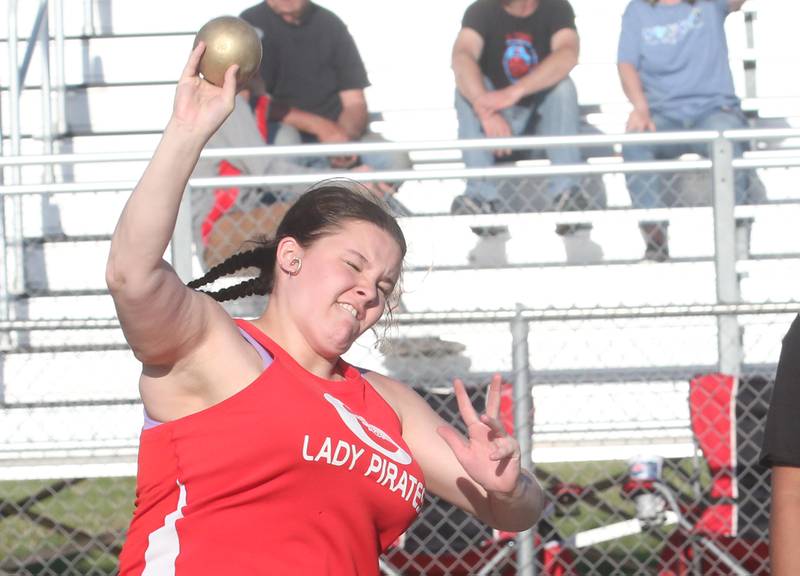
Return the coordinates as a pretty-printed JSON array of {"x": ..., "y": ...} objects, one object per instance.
[{"x": 645, "y": 446}]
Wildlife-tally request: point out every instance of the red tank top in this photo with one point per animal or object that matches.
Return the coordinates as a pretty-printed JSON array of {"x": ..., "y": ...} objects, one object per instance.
[{"x": 294, "y": 474}]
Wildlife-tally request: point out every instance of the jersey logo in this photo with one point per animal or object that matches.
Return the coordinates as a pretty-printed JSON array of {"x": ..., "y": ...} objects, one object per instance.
[
  {"x": 365, "y": 431},
  {"x": 519, "y": 56}
]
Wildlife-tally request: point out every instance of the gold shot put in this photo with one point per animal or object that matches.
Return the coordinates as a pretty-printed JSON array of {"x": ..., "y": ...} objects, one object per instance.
[{"x": 229, "y": 40}]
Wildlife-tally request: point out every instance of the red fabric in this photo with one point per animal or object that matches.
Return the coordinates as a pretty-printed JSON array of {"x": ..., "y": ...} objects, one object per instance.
[
  {"x": 292, "y": 475},
  {"x": 507, "y": 406},
  {"x": 711, "y": 404},
  {"x": 262, "y": 111},
  {"x": 556, "y": 561},
  {"x": 224, "y": 199},
  {"x": 717, "y": 519},
  {"x": 677, "y": 555}
]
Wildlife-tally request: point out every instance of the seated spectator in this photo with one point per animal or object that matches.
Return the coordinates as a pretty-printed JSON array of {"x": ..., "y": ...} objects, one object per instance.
[
  {"x": 224, "y": 218},
  {"x": 512, "y": 61},
  {"x": 673, "y": 64},
  {"x": 315, "y": 76},
  {"x": 781, "y": 452}
]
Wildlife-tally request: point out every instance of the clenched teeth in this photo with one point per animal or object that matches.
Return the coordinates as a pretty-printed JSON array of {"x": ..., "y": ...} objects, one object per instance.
[{"x": 350, "y": 308}]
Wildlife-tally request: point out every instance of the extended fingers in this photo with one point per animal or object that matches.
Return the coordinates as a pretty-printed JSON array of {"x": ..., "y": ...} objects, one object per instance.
[
  {"x": 229, "y": 82},
  {"x": 455, "y": 440},
  {"x": 190, "y": 69},
  {"x": 494, "y": 425},
  {"x": 468, "y": 414}
]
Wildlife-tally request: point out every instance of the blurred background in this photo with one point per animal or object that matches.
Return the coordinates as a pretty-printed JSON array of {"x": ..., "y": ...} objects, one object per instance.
[{"x": 638, "y": 389}]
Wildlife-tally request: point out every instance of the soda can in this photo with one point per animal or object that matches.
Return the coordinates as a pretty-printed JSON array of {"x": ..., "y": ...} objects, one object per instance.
[{"x": 645, "y": 468}]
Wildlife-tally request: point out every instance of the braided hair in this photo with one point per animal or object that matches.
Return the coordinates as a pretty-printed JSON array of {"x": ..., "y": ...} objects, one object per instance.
[{"x": 321, "y": 211}]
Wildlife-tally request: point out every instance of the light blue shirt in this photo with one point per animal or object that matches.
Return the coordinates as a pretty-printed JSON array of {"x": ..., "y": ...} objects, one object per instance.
[{"x": 681, "y": 54}]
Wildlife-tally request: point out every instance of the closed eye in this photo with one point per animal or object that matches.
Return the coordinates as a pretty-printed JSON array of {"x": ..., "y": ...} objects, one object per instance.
[{"x": 352, "y": 265}]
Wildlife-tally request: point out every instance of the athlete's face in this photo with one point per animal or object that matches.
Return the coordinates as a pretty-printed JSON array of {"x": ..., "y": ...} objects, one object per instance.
[
  {"x": 290, "y": 10},
  {"x": 343, "y": 285}
]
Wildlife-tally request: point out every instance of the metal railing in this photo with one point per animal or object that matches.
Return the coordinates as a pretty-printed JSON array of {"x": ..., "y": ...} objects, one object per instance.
[{"x": 522, "y": 322}]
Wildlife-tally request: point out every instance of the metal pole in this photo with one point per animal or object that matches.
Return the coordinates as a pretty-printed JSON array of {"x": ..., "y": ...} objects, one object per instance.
[
  {"x": 728, "y": 335},
  {"x": 13, "y": 206},
  {"x": 88, "y": 18},
  {"x": 60, "y": 79},
  {"x": 46, "y": 94},
  {"x": 523, "y": 410},
  {"x": 181, "y": 245}
]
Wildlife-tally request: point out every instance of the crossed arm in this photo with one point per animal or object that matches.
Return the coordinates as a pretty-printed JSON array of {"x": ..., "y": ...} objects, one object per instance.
[{"x": 487, "y": 104}]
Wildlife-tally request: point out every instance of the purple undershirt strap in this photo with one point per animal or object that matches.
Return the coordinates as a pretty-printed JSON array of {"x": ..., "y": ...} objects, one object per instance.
[{"x": 266, "y": 360}]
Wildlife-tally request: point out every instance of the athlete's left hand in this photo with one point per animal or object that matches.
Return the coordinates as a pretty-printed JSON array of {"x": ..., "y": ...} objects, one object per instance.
[{"x": 490, "y": 455}]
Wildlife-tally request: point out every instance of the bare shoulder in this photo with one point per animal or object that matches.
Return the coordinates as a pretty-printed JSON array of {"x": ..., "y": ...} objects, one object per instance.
[
  {"x": 401, "y": 397},
  {"x": 218, "y": 365}
]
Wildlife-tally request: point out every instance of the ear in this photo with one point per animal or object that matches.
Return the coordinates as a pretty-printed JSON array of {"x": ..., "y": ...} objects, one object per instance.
[{"x": 288, "y": 250}]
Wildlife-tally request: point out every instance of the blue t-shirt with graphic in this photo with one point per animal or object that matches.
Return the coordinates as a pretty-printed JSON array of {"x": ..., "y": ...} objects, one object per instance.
[{"x": 681, "y": 54}]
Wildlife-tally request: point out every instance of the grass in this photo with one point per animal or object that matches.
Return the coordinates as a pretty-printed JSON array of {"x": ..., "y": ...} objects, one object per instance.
[
  {"x": 74, "y": 530},
  {"x": 78, "y": 529}
]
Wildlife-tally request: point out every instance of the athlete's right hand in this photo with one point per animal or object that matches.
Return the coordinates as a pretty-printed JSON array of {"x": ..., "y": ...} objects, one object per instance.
[{"x": 200, "y": 106}]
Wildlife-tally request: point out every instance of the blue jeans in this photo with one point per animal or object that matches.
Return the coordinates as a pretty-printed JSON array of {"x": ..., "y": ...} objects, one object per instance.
[
  {"x": 653, "y": 190},
  {"x": 554, "y": 113},
  {"x": 285, "y": 135}
]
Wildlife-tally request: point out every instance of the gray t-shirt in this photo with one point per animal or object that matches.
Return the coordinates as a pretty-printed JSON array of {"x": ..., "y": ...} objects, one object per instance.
[{"x": 681, "y": 54}]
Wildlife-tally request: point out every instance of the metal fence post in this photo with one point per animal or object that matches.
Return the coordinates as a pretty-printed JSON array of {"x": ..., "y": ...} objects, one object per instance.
[
  {"x": 523, "y": 409},
  {"x": 728, "y": 334},
  {"x": 181, "y": 244}
]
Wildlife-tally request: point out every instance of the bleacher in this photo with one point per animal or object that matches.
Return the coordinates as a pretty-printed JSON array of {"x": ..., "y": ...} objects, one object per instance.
[
  {"x": 613, "y": 342},
  {"x": 119, "y": 79}
]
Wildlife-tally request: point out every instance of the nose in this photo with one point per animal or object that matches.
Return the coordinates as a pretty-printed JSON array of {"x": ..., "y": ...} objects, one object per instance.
[{"x": 368, "y": 293}]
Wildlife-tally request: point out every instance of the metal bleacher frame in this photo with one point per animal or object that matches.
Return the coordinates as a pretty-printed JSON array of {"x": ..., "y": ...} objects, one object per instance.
[
  {"x": 15, "y": 290},
  {"x": 112, "y": 458}
]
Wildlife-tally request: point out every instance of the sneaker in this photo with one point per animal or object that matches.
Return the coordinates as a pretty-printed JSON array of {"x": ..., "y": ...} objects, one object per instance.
[
  {"x": 579, "y": 246},
  {"x": 489, "y": 251},
  {"x": 464, "y": 204},
  {"x": 656, "y": 240}
]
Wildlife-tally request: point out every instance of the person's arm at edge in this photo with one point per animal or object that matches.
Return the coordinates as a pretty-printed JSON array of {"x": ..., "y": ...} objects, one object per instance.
[
  {"x": 639, "y": 119},
  {"x": 464, "y": 62},
  {"x": 785, "y": 521},
  {"x": 162, "y": 318},
  {"x": 311, "y": 123},
  {"x": 515, "y": 511},
  {"x": 735, "y": 5},
  {"x": 353, "y": 117}
]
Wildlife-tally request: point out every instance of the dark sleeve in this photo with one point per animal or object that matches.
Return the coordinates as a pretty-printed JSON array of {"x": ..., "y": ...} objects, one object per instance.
[
  {"x": 350, "y": 71},
  {"x": 782, "y": 434},
  {"x": 478, "y": 18},
  {"x": 562, "y": 16}
]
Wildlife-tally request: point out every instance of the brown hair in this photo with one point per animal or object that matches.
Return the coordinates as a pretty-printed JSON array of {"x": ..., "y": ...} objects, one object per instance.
[{"x": 317, "y": 213}]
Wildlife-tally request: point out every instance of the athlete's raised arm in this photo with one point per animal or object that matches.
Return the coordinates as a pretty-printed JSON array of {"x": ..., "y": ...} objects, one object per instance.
[{"x": 163, "y": 319}]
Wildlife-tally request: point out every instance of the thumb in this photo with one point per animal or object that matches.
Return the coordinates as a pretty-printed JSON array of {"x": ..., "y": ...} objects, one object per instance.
[{"x": 455, "y": 440}]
